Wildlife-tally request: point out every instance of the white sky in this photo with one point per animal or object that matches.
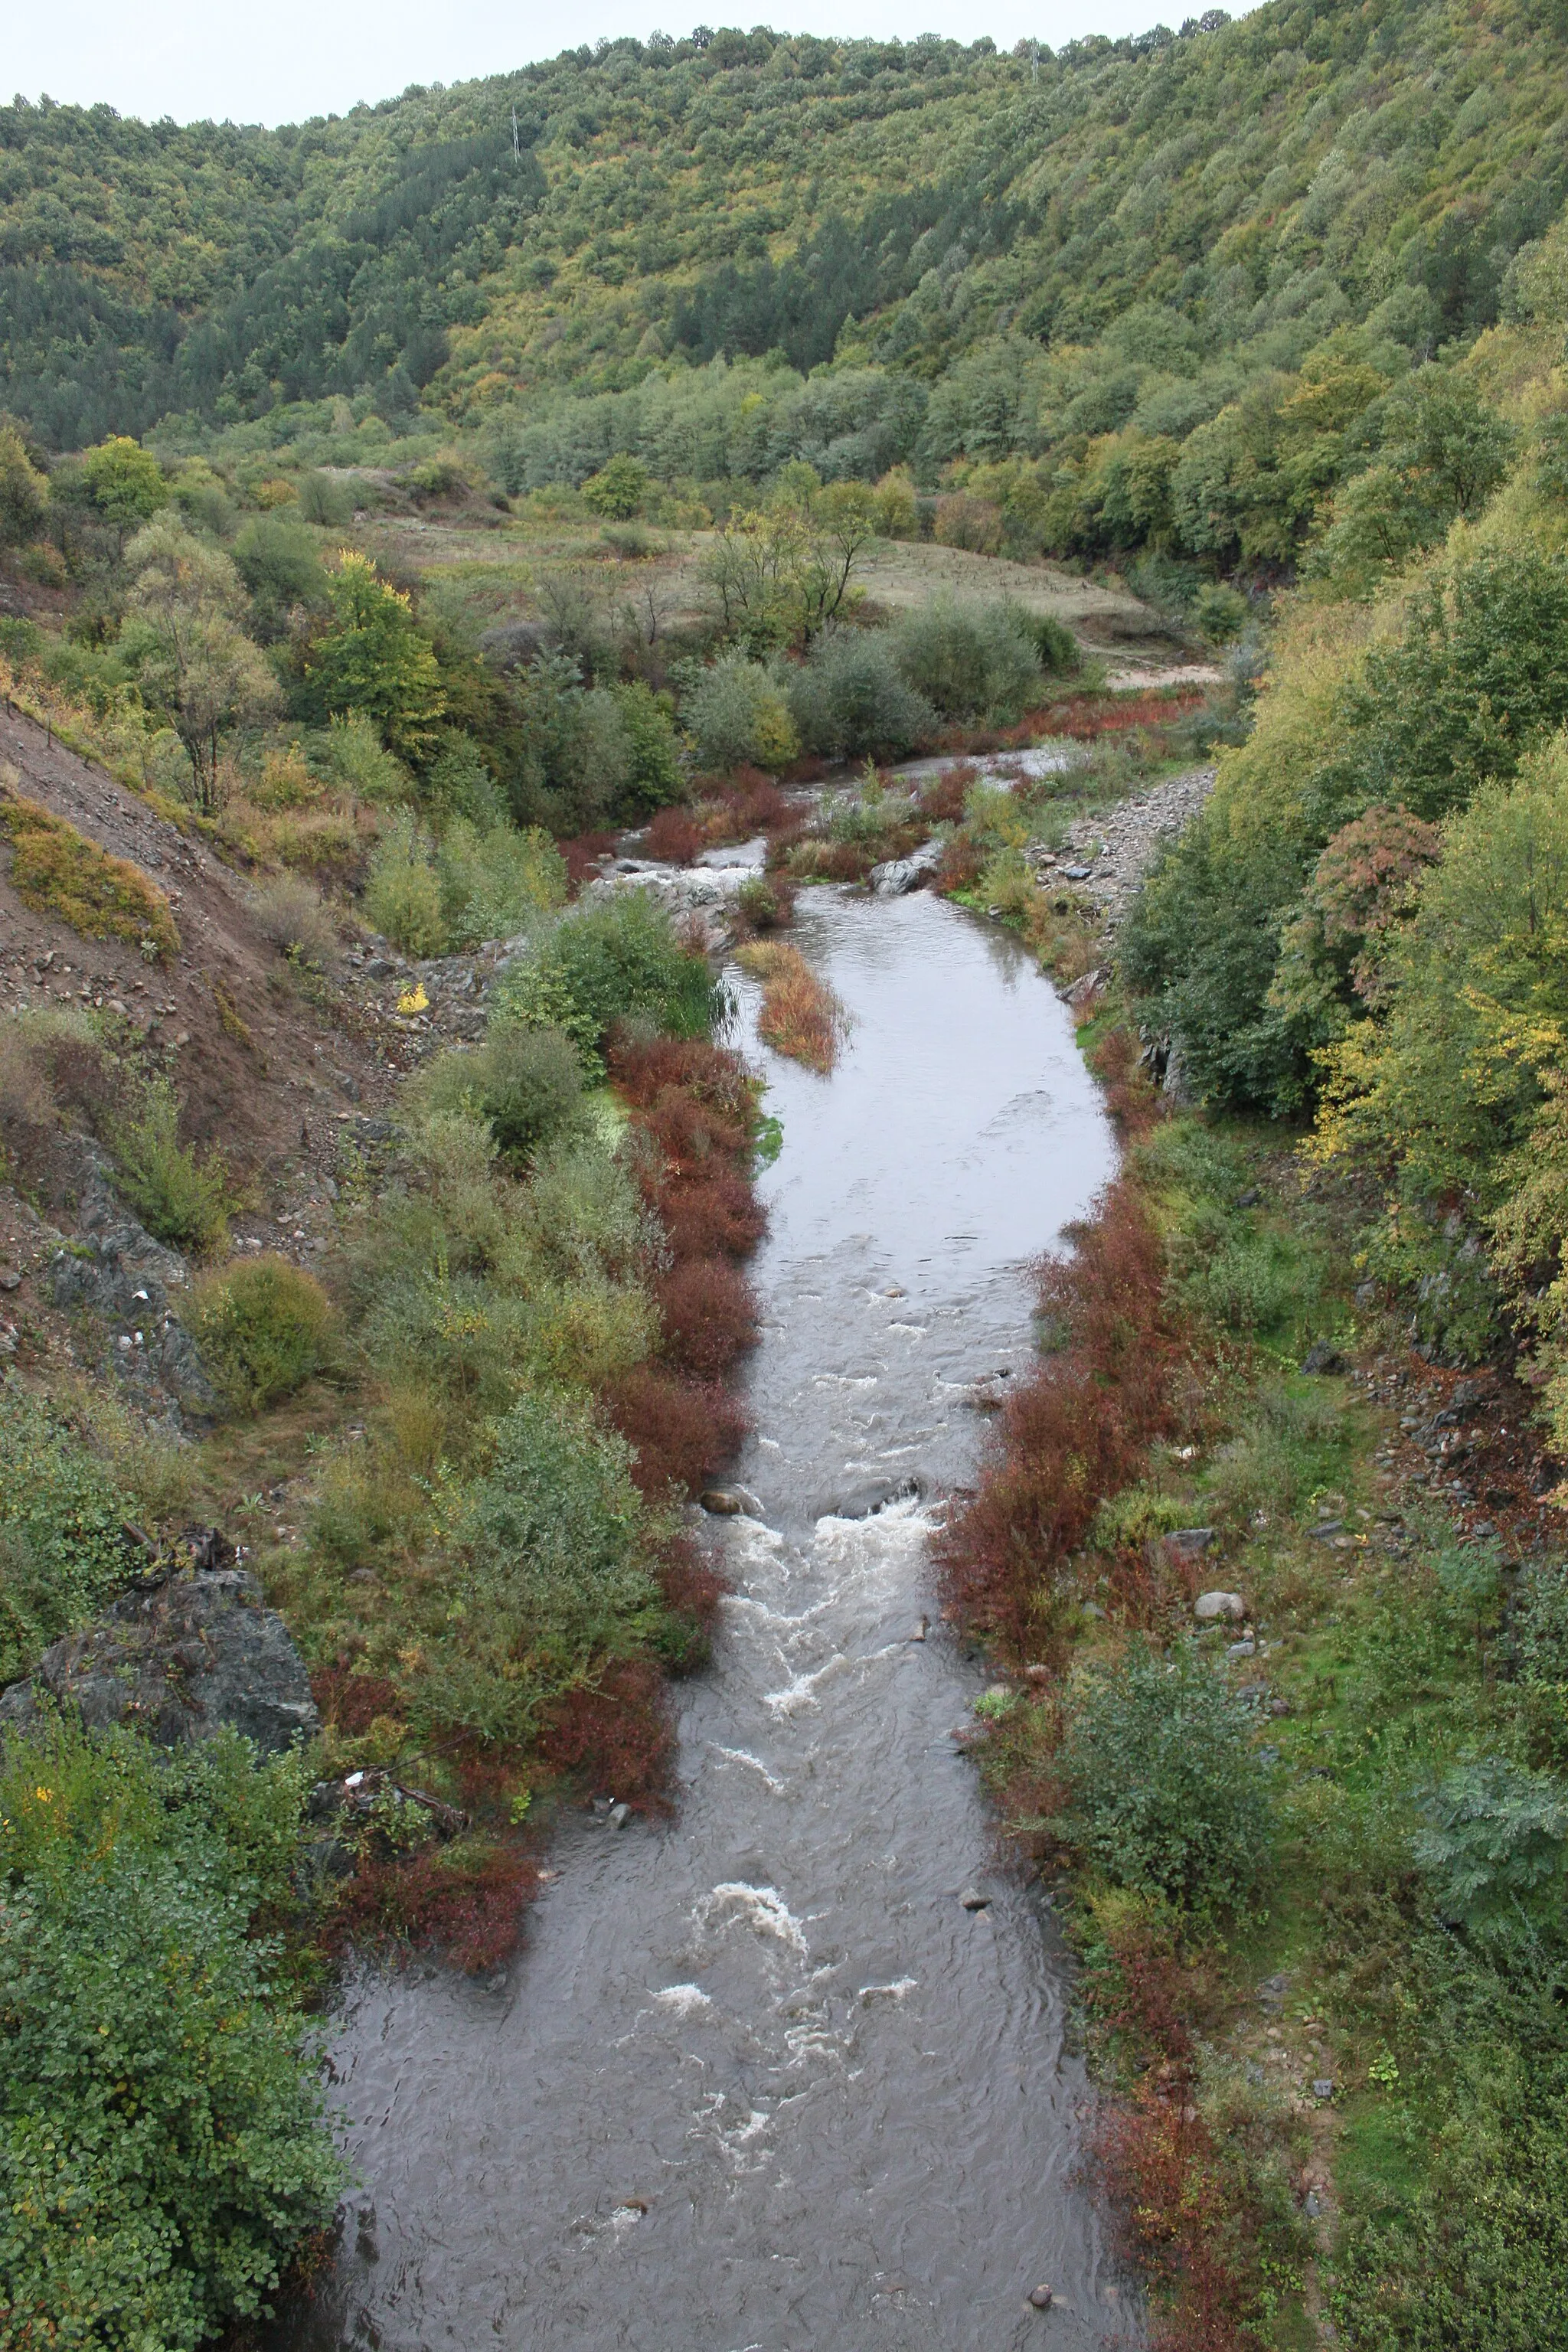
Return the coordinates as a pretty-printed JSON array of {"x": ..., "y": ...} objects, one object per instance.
[{"x": 293, "y": 58}]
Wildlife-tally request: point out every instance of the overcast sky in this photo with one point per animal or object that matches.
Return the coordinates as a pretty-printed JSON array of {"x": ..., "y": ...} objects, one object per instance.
[{"x": 291, "y": 58}]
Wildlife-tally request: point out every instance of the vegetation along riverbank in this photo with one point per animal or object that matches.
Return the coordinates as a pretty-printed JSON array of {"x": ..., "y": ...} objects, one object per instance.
[{"x": 465, "y": 568}]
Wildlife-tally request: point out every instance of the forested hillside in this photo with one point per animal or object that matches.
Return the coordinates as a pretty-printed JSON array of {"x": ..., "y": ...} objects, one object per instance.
[{"x": 1168, "y": 285}]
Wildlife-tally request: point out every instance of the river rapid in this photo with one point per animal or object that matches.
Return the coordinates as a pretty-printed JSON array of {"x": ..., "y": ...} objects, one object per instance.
[{"x": 757, "y": 2081}]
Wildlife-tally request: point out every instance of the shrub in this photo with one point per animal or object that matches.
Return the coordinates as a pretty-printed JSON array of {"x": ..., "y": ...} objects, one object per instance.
[
  {"x": 264, "y": 1328},
  {"x": 180, "y": 1199},
  {"x": 1496, "y": 1846},
  {"x": 57, "y": 871},
  {"x": 527, "y": 1083},
  {"x": 1166, "y": 1793},
  {"x": 674, "y": 837},
  {"x": 682, "y": 1430},
  {"x": 361, "y": 762},
  {"x": 554, "y": 1532},
  {"x": 737, "y": 716},
  {"x": 1060, "y": 653},
  {"x": 62, "y": 1551},
  {"x": 403, "y": 891},
  {"x": 605, "y": 961},
  {"x": 494, "y": 881},
  {"x": 163, "y": 2150},
  {"x": 965, "y": 521},
  {"x": 850, "y": 698},
  {"x": 653, "y": 772},
  {"x": 292, "y": 913},
  {"x": 969, "y": 660},
  {"x": 710, "y": 1316}
]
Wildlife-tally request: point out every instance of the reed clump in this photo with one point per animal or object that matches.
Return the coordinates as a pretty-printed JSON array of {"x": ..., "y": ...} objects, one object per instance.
[{"x": 801, "y": 1016}]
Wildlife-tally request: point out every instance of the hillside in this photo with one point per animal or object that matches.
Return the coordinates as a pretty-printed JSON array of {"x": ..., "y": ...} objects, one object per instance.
[{"x": 992, "y": 255}]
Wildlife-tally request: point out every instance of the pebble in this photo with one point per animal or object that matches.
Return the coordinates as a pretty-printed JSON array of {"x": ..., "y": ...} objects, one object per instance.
[
  {"x": 1322, "y": 2088},
  {"x": 973, "y": 1899},
  {"x": 1042, "y": 2297}
]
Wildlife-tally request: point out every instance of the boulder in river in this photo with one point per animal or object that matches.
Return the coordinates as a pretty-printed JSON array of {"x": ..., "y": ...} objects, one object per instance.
[
  {"x": 896, "y": 876},
  {"x": 178, "y": 1661}
]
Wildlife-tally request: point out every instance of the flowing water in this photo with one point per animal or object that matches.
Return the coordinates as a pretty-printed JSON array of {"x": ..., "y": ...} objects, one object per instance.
[{"x": 758, "y": 2082}]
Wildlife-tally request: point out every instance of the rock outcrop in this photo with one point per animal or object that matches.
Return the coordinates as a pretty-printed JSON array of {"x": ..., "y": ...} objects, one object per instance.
[{"x": 178, "y": 1660}]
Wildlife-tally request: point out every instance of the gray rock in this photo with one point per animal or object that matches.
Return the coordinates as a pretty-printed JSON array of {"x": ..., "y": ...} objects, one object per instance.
[
  {"x": 178, "y": 1662},
  {"x": 1042, "y": 2297},
  {"x": 1189, "y": 1543},
  {"x": 1322, "y": 1356},
  {"x": 896, "y": 876},
  {"x": 1322, "y": 2088},
  {"x": 973, "y": 1899},
  {"x": 131, "y": 1283},
  {"x": 1215, "y": 1608}
]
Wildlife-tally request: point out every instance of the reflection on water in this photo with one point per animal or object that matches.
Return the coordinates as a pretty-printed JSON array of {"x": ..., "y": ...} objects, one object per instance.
[{"x": 758, "y": 2082}]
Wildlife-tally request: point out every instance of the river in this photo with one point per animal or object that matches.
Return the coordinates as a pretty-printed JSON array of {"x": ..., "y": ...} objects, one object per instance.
[{"x": 757, "y": 2079}]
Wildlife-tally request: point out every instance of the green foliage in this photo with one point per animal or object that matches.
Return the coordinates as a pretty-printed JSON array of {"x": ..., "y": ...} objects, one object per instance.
[
  {"x": 264, "y": 1327},
  {"x": 601, "y": 963},
  {"x": 737, "y": 716},
  {"x": 850, "y": 698},
  {"x": 373, "y": 660},
  {"x": 24, "y": 492},
  {"x": 181, "y": 1197},
  {"x": 281, "y": 564},
  {"x": 617, "y": 490},
  {"x": 161, "y": 2144},
  {"x": 494, "y": 881},
  {"x": 553, "y": 1528},
  {"x": 969, "y": 660},
  {"x": 1496, "y": 1846},
  {"x": 62, "y": 1552},
  {"x": 124, "y": 482},
  {"x": 653, "y": 778},
  {"x": 527, "y": 1083},
  {"x": 1166, "y": 1793}
]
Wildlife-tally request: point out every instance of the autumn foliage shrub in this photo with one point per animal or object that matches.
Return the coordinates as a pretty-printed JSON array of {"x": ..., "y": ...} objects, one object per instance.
[
  {"x": 1075, "y": 1430},
  {"x": 708, "y": 1312},
  {"x": 674, "y": 837},
  {"x": 616, "y": 1732},
  {"x": 682, "y": 1430}
]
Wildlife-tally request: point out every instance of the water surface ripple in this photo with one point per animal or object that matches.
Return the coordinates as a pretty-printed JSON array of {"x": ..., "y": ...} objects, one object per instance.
[{"x": 757, "y": 2081}]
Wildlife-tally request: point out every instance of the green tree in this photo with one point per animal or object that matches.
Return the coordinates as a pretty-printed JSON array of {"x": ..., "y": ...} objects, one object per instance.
[
  {"x": 194, "y": 655},
  {"x": 24, "y": 492},
  {"x": 373, "y": 658},
  {"x": 617, "y": 490},
  {"x": 125, "y": 484}
]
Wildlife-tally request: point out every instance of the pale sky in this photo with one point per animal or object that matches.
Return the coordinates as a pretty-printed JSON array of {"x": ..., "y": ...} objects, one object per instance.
[{"x": 293, "y": 58}]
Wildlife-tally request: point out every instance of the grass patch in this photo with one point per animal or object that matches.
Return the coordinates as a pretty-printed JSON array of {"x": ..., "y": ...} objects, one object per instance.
[
  {"x": 57, "y": 871},
  {"x": 800, "y": 1017}
]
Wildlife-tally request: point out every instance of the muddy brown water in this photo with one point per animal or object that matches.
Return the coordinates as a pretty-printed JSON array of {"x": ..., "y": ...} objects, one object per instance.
[{"x": 757, "y": 2081}]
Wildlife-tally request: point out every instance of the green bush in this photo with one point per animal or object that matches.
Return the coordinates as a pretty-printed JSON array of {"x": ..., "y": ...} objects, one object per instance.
[
  {"x": 1495, "y": 1848},
  {"x": 850, "y": 698},
  {"x": 968, "y": 660},
  {"x": 163, "y": 2149},
  {"x": 652, "y": 774},
  {"x": 1539, "y": 1625},
  {"x": 527, "y": 1083},
  {"x": 264, "y": 1328},
  {"x": 180, "y": 1199},
  {"x": 604, "y": 961},
  {"x": 402, "y": 890},
  {"x": 494, "y": 881},
  {"x": 1060, "y": 653},
  {"x": 62, "y": 1551},
  {"x": 736, "y": 715},
  {"x": 553, "y": 1529},
  {"x": 1166, "y": 1793}
]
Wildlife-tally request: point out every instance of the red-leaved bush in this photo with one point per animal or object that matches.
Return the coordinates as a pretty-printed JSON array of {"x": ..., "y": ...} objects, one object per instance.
[
  {"x": 683, "y": 1429},
  {"x": 617, "y": 1732},
  {"x": 708, "y": 1312},
  {"x": 1159, "y": 2167},
  {"x": 674, "y": 837},
  {"x": 1075, "y": 1431},
  {"x": 468, "y": 1905}
]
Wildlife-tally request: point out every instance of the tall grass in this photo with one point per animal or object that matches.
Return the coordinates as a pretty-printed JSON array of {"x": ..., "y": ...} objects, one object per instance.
[{"x": 800, "y": 1017}]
